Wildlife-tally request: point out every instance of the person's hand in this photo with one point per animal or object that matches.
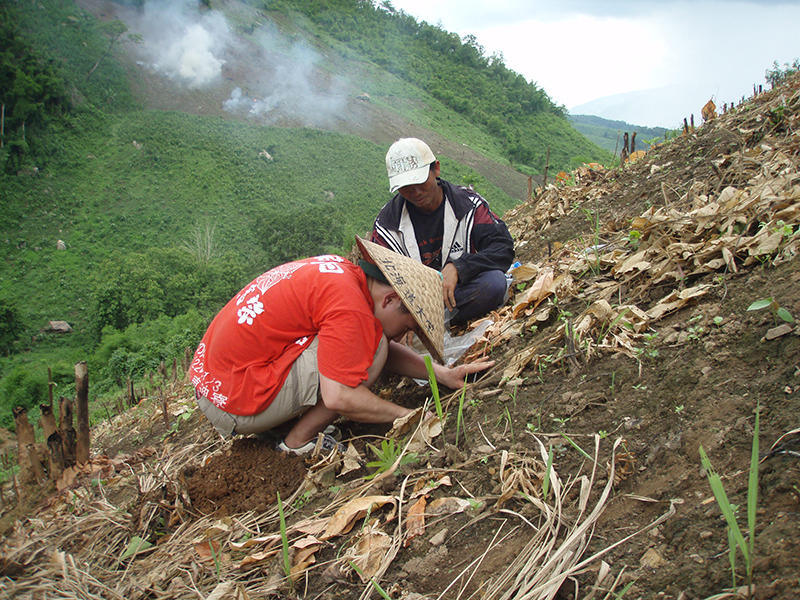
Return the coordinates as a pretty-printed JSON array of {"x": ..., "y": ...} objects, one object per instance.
[
  {"x": 453, "y": 377},
  {"x": 449, "y": 281}
]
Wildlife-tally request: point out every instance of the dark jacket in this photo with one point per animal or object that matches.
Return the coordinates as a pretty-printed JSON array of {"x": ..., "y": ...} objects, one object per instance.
[{"x": 475, "y": 239}]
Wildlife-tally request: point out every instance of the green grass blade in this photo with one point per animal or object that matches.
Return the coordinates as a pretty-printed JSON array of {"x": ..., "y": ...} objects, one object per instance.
[
  {"x": 546, "y": 482},
  {"x": 461, "y": 412},
  {"x": 287, "y": 565},
  {"x": 724, "y": 504},
  {"x": 434, "y": 388},
  {"x": 732, "y": 557},
  {"x": 578, "y": 448},
  {"x": 752, "y": 492}
]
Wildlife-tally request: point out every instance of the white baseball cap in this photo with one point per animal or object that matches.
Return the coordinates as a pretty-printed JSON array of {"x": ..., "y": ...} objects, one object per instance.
[{"x": 408, "y": 162}]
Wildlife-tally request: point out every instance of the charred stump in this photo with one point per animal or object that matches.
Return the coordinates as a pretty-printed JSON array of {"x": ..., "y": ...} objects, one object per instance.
[{"x": 69, "y": 436}]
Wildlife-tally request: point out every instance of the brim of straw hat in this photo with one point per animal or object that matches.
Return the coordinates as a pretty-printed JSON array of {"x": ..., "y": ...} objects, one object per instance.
[{"x": 419, "y": 287}]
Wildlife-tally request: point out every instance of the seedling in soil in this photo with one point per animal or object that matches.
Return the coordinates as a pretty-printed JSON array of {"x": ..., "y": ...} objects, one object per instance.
[
  {"x": 546, "y": 481},
  {"x": 778, "y": 311},
  {"x": 387, "y": 455},
  {"x": 434, "y": 389},
  {"x": 735, "y": 537},
  {"x": 287, "y": 564},
  {"x": 460, "y": 417}
]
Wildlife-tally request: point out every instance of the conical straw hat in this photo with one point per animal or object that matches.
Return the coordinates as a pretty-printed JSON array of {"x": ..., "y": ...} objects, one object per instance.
[{"x": 420, "y": 288}]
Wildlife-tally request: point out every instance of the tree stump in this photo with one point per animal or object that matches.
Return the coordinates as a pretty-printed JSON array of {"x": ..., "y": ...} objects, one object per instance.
[{"x": 27, "y": 444}]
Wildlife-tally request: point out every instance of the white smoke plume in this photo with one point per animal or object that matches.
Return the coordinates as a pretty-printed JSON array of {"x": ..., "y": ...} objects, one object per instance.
[
  {"x": 273, "y": 80},
  {"x": 183, "y": 44},
  {"x": 290, "y": 86}
]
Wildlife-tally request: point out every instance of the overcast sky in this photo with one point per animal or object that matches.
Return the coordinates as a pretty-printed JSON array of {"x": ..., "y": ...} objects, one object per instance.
[{"x": 583, "y": 50}]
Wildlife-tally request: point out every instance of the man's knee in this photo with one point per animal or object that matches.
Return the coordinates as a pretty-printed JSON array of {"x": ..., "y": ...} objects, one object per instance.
[{"x": 480, "y": 296}]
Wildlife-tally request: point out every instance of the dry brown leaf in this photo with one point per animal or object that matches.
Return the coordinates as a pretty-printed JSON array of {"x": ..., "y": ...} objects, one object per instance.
[
  {"x": 368, "y": 553},
  {"x": 448, "y": 506},
  {"x": 352, "y": 460},
  {"x": 256, "y": 541},
  {"x": 425, "y": 485},
  {"x": 533, "y": 296},
  {"x": 303, "y": 556},
  {"x": 415, "y": 520},
  {"x": 343, "y": 519}
]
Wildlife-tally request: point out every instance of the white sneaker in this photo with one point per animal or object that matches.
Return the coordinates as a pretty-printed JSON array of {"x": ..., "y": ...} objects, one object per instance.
[{"x": 328, "y": 444}]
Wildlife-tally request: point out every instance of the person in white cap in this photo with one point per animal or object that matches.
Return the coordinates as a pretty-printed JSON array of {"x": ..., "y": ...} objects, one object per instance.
[
  {"x": 446, "y": 227},
  {"x": 308, "y": 338}
]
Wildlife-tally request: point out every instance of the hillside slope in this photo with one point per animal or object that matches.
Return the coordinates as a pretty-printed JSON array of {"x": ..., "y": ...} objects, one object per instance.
[{"x": 628, "y": 345}]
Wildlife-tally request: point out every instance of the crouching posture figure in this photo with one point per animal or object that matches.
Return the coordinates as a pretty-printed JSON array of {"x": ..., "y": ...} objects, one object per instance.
[{"x": 308, "y": 338}]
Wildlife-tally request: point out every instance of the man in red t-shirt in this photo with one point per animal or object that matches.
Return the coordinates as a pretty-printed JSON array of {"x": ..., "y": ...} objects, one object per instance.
[{"x": 309, "y": 338}]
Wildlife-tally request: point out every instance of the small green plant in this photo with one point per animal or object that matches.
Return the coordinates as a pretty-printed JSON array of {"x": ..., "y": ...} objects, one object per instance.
[
  {"x": 778, "y": 311},
  {"x": 185, "y": 416},
  {"x": 735, "y": 537},
  {"x": 561, "y": 421},
  {"x": 460, "y": 417},
  {"x": 510, "y": 424},
  {"x": 679, "y": 409},
  {"x": 694, "y": 333},
  {"x": 301, "y": 501},
  {"x": 434, "y": 389},
  {"x": 603, "y": 434},
  {"x": 216, "y": 560},
  {"x": 546, "y": 481},
  {"x": 718, "y": 321},
  {"x": 648, "y": 350},
  {"x": 374, "y": 583},
  {"x": 634, "y": 237},
  {"x": 387, "y": 455},
  {"x": 640, "y": 386},
  {"x": 613, "y": 377},
  {"x": 783, "y": 228},
  {"x": 287, "y": 564}
]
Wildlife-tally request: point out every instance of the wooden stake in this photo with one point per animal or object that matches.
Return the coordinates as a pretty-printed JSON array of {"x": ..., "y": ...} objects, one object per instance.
[
  {"x": 546, "y": 167},
  {"x": 82, "y": 412},
  {"x": 50, "y": 386}
]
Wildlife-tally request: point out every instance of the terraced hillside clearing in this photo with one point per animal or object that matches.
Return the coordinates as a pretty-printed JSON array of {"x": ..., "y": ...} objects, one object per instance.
[{"x": 628, "y": 344}]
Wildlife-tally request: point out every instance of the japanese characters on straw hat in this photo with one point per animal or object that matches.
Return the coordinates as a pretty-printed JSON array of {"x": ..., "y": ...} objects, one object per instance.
[
  {"x": 408, "y": 162},
  {"x": 419, "y": 287}
]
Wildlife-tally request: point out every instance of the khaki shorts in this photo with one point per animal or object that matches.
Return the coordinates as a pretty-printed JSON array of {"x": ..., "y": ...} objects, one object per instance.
[{"x": 298, "y": 394}]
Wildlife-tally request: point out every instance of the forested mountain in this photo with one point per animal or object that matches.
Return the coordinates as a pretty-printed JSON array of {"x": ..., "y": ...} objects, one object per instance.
[
  {"x": 608, "y": 133},
  {"x": 156, "y": 155}
]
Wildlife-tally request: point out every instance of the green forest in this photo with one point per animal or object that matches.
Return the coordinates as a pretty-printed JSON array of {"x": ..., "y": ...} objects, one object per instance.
[{"x": 135, "y": 225}]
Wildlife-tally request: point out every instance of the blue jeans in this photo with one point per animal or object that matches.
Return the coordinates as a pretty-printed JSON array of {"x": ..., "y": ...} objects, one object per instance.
[{"x": 479, "y": 296}]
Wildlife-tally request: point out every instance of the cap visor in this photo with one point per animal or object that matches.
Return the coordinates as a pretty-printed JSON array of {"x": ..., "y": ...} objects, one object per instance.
[{"x": 408, "y": 178}]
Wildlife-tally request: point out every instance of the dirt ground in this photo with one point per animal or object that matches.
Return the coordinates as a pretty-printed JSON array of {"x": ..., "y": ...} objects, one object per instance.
[{"x": 678, "y": 246}]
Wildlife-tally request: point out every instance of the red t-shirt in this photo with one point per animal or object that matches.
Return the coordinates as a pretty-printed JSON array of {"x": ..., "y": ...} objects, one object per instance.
[{"x": 250, "y": 346}]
